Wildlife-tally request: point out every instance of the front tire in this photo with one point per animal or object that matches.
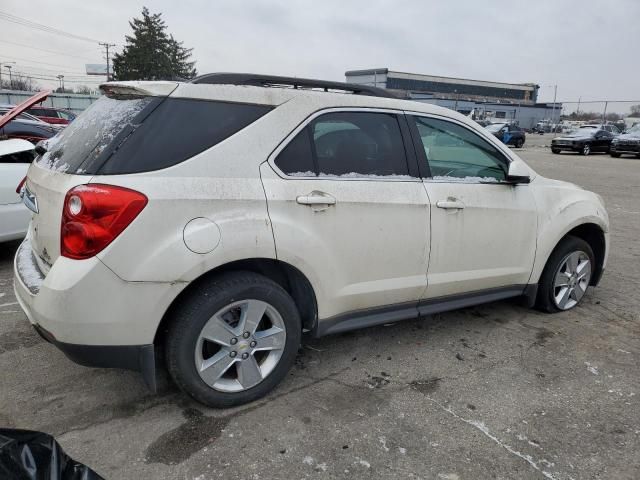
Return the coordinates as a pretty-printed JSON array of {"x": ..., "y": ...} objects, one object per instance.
[
  {"x": 586, "y": 149},
  {"x": 555, "y": 150},
  {"x": 566, "y": 276},
  {"x": 615, "y": 154},
  {"x": 233, "y": 339},
  {"x": 519, "y": 143}
]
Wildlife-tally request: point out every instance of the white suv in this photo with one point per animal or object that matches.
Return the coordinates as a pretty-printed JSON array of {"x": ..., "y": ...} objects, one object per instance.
[{"x": 216, "y": 221}]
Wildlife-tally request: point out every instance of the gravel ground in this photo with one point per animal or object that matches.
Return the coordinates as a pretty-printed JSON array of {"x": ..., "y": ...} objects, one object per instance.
[{"x": 496, "y": 391}]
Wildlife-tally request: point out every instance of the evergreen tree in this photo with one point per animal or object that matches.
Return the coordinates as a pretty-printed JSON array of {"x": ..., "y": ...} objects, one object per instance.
[{"x": 152, "y": 54}]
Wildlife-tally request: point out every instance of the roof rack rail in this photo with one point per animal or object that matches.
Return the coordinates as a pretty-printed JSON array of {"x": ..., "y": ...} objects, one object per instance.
[{"x": 296, "y": 83}]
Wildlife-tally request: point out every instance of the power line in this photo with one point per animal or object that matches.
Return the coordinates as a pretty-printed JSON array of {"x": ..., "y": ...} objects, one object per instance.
[
  {"x": 34, "y": 61},
  {"x": 44, "y": 28},
  {"x": 77, "y": 73},
  {"x": 53, "y": 78},
  {"x": 45, "y": 50}
]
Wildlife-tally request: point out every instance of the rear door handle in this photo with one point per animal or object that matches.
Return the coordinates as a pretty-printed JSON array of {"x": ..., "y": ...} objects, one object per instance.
[
  {"x": 450, "y": 204},
  {"x": 316, "y": 198}
]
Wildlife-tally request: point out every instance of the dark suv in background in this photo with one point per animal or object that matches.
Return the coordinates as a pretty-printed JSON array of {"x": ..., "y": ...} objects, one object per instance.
[
  {"x": 508, "y": 133},
  {"x": 628, "y": 142}
]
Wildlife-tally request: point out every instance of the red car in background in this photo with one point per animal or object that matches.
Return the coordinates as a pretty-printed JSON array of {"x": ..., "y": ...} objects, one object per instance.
[{"x": 54, "y": 116}]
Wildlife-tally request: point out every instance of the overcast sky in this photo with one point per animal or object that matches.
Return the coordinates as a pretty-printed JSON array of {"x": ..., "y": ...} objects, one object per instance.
[{"x": 588, "y": 48}]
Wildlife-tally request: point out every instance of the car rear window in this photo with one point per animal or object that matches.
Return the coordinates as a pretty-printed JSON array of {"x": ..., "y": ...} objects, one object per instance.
[
  {"x": 133, "y": 135},
  {"x": 85, "y": 140}
]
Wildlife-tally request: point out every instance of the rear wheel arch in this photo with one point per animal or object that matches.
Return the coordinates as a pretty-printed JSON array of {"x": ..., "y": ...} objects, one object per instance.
[{"x": 294, "y": 282}]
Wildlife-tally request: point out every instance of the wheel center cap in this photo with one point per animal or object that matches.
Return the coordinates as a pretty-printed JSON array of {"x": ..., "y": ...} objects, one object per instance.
[{"x": 243, "y": 345}]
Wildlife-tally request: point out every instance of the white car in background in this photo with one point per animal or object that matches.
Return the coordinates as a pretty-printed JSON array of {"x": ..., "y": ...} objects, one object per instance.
[
  {"x": 15, "y": 157},
  {"x": 217, "y": 220}
]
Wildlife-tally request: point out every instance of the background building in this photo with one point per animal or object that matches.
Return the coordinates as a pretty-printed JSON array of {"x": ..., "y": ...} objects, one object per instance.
[{"x": 495, "y": 101}]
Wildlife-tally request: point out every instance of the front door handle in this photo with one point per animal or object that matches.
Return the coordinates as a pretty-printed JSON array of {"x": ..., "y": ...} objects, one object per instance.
[
  {"x": 316, "y": 198},
  {"x": 450, "y": 204}
]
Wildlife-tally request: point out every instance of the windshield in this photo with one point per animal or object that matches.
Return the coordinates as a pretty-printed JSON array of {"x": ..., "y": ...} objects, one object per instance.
[
  {"x": 635, "y": 129},
  {"x": 89, "y": 134},
  {"x": 495, "y": 127},
  {"x": 583, "y": 132}
]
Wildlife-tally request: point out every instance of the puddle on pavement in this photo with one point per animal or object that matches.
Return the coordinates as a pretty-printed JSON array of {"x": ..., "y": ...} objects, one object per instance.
[{"x": 193, "y": 435}]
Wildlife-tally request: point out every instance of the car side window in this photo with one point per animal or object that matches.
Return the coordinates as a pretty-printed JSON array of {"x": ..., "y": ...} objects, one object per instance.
[
  {"x": 20, "y": 157},
  {"x": 359, "y": 144},
  {"x": 455, "y": 152},
  {"x": 296, "y": 159},
  {"x": 348, "y": 144}
]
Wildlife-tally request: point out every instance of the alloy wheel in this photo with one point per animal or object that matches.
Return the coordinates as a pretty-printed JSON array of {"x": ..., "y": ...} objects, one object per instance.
[
  {"x": 586, "y": 149},
  {"x": 240, "y": 345},
  {"x": 571, "y": 280}
]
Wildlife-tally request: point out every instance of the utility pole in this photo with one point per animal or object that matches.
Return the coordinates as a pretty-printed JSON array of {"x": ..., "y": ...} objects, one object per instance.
[
  {"x": 61, "y": 80},
  {"x": 578, "y": 111},
  {"x": 604, "y": 114},
  {"x": 4, "y": 63},
  {"x": 106, "y": 47},
  {"x": 553, "y": 111},
  {"x": 9, "y": 67}
]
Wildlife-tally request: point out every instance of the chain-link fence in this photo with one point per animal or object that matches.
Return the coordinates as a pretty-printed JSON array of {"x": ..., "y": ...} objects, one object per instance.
[{"x": 621, "y": 112}]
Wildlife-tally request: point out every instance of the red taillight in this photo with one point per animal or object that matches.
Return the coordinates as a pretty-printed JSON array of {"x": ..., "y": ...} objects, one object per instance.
[
  {"x": 94, "y": 215},
  {"x": 20, "y": 185}
]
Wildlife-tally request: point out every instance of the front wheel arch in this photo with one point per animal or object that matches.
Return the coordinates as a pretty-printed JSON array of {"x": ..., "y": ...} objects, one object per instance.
[{"x": 594, "y": 236}]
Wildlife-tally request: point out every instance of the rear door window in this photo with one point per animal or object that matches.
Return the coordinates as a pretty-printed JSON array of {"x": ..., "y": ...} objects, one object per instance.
[
  {"x": 359, "y": 144},
  {"x": 347, "y": 144},
  {"x": 296, "y": 159}
]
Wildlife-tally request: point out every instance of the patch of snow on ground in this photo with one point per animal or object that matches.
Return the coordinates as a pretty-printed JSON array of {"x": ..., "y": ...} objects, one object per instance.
[
  {"x": 591, "y": 368},
  {"x": 383, "y": 442},
  {"x": 307, "y": 460}
]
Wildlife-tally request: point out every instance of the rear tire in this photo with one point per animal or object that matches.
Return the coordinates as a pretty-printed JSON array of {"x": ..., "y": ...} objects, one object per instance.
[
  {"x": 554, "y": 279},
  {"x": 218, "y": 346},
  {"x": 586, "y": 149}
]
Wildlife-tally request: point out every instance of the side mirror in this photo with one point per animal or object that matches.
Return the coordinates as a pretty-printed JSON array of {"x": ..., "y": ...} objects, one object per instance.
[{"x": 517, "y": 173}]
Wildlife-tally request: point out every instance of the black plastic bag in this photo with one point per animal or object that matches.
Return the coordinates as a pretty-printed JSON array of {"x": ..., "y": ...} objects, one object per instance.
[{"x": 30, "y": 455}]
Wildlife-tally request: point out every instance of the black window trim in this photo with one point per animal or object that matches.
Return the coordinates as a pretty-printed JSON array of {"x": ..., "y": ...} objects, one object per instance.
[
  {"x": 424, "y": 162},
  {"x": 410, "y": 154}
]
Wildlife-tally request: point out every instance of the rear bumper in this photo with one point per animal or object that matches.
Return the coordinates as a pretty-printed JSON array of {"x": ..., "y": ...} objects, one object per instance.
[
  {"x": 140, "y": 358},
  {"x": 92, "y": 315}
]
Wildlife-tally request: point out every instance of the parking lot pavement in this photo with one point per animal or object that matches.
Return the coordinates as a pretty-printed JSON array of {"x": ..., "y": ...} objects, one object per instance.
[{"x": 496, "y": 391}]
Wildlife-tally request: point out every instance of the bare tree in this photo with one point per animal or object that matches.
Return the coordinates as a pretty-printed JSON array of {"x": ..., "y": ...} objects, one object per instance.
[
  {"x": 20, "y": 82},
  {"x": 83, "y": 89}
]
